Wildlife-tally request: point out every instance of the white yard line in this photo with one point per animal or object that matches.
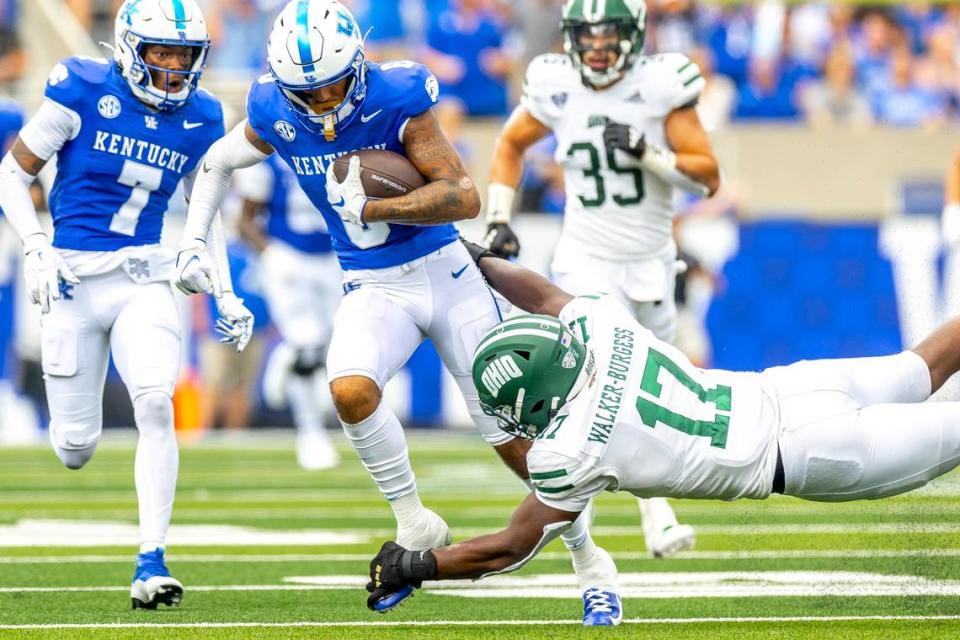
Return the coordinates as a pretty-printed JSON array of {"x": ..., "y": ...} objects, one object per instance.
[
  {"x": 550, "y": 555},
  {"x": 474, "y": 623}
]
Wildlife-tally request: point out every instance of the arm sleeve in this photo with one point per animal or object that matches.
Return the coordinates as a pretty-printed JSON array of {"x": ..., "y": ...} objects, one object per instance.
[
  {"x": 50, "y": 129},
  {"x": 228, "y": 154},
  {"x": 217, "y": 247},
  {"x": 15, "y": 200}
]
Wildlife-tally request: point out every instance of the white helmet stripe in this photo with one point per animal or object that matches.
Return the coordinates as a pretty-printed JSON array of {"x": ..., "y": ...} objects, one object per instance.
[{"x": 517, "y": 332}]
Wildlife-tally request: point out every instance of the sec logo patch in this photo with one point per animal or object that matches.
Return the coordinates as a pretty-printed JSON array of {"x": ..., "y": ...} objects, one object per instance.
[
  {"x": 109, "y": 107},
  {"x": 285, "y": 130}
]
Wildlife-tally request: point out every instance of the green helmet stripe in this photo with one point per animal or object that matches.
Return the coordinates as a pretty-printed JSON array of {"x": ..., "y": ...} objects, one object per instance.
[{"x": 532, "y": 331}]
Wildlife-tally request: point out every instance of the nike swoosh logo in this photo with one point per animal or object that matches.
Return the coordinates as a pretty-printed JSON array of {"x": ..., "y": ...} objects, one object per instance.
[
  {"x": 457, "y": 274},
  {"x": 342, "y": 202},
  {"x": 191, "y": 125},
  {"x": 206, "y": 169},
  {"x": 366, "y": 119}
]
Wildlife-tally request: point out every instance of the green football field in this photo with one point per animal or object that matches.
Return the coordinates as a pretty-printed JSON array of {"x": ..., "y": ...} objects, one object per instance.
[{"x": 266, "y": 550}]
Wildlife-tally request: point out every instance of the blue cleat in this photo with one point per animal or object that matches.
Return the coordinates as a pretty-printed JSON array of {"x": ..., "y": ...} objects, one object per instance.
[
  {"x": 390, "y": 602},
  {"x": 601, "y": 608},
  {"x": 153, "y": 584}
]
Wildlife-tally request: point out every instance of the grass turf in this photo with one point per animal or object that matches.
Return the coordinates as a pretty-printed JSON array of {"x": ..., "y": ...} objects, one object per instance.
[{"x": 258, "y": 485}]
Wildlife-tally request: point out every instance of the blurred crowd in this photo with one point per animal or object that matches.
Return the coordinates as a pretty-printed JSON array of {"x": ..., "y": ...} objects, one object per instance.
[{"x": 824, "y": 63}]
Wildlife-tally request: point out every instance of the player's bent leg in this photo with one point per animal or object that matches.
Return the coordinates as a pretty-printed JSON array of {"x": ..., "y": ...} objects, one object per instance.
[
  {"x": 879, "y": 451},
  {"x": 74, "y": 359},
  {"x": 378, "y": 438}
]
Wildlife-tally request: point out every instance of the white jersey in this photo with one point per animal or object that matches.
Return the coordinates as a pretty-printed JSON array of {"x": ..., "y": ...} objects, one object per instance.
[
  {"x": 651, "y": 423},
  {"x": 614, "y": 210}
]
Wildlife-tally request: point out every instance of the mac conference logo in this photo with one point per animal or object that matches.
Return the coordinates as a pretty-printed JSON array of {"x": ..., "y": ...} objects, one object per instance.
[{"x": 285, "y": 130}]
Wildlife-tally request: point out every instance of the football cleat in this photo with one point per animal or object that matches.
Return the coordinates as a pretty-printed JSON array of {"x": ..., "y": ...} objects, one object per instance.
[
  {"x": 601, "y": 608},
  {"x": 153, "y": 584},
  {"x": 671, "y": 540},
  {"x": 390, "y": 602},
  {"x": 431, "y": 532}
]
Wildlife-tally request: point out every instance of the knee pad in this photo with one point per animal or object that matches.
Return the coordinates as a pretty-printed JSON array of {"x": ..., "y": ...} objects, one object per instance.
[
  {"x": 153, "y": 410},
  {"x": 75, "y": 458},
  {"x": 308, "y": 361}
]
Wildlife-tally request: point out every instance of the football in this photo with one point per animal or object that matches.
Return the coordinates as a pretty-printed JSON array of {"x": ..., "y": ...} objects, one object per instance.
[{"x": 384, "y": 174}]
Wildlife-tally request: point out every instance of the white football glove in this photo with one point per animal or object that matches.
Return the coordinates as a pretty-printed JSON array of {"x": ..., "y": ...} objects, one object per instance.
[
  {"x": 950, "y": 225},
  {"x": 43, "y": 268},
  {"x": 196, "y": 271},
  {"x": 347, "y": 198},
  {"x": 235, "y": 323}
]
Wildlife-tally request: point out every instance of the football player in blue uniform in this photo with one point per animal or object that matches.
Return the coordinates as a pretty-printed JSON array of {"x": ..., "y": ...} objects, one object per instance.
[
  {"x": 11, "y": 120},
  {"x": 301, "y": 279},
  {"x": 405, "y": 275},
  {"x": 125, "y": 132}
]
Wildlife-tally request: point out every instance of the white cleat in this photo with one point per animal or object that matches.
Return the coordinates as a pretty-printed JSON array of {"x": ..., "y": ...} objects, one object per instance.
[
  {"x": 315, "y": 452},
  {"x": 430, "y": 533},
  {"x": 671, "y": 541}
]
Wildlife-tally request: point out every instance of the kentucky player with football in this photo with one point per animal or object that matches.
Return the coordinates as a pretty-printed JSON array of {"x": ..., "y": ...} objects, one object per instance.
[
  {"x": 125, "y": 133},
  {"x": 627, "y": 135},
  {"x": 301, "y": 281},
  {"x": 405, "y": 275},
  {"x": 612, "y": 408}
]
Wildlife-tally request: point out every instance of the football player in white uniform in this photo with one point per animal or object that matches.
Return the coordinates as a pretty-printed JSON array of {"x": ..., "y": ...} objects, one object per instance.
[
  {"x": 627, "y": 134},
  {"x": 301, "y": 281},
  {"x": 613, "y": 408},
  {"x": 126, "y": 133}
]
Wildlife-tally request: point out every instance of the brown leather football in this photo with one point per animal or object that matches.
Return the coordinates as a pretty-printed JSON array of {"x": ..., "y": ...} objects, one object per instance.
[{"x": 384, "y": 174}]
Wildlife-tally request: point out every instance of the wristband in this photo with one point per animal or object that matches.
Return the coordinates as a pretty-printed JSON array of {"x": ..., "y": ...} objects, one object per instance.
[{"x": 499, "y": 203}]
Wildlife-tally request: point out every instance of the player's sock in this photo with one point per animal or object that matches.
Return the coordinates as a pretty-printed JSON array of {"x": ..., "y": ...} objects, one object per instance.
[
  {"x": 155, "y": 467},
  {"x": 577, "y": 538},
  {"x": 382, "y": 447}
]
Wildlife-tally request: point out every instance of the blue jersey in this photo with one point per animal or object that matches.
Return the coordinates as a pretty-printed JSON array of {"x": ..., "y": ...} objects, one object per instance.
[
  {"x": 396, "y": 92},
  {"x": 292, "y": 217},
  {"x": 115, "y": 178},
  {"x": 11, "y": 121}
]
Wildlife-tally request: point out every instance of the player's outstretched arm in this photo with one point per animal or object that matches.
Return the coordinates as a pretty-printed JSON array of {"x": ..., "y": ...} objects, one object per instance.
[
  {"x": 506, "y": 169},
  {"x": 532, "y": 527},
  {"x": 524, "y": 288},
  {"x": 449, "y": 194}
]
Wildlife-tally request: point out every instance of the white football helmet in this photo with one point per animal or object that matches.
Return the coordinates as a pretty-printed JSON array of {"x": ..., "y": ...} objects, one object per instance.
[
  {"x": 176, "y": 23},
  {"x": 314, "y": 44}
]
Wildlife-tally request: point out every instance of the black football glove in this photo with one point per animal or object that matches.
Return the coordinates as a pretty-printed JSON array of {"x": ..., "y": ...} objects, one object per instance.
[
  {"x": 477, "y": 251},
  {"x": 626, "y": 138},
  {"x": 394, "y": 568},
  {"x": 502, "y": 241}
]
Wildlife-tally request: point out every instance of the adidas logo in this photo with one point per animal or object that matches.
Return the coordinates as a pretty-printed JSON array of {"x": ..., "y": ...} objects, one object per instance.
[{"x": 636, "y": 98}]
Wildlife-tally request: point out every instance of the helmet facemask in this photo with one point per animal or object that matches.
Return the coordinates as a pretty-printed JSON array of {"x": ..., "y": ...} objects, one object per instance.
[
  {"x": 592, "y": 31},
  {"x": 140, "y": 25}
]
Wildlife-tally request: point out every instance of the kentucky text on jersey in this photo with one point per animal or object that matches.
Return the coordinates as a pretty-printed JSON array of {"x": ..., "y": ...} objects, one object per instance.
[
  {"x": 396, "y": 92},
  {"x": 317, "y": 165},
  {"x": 140, "y": 150}
]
